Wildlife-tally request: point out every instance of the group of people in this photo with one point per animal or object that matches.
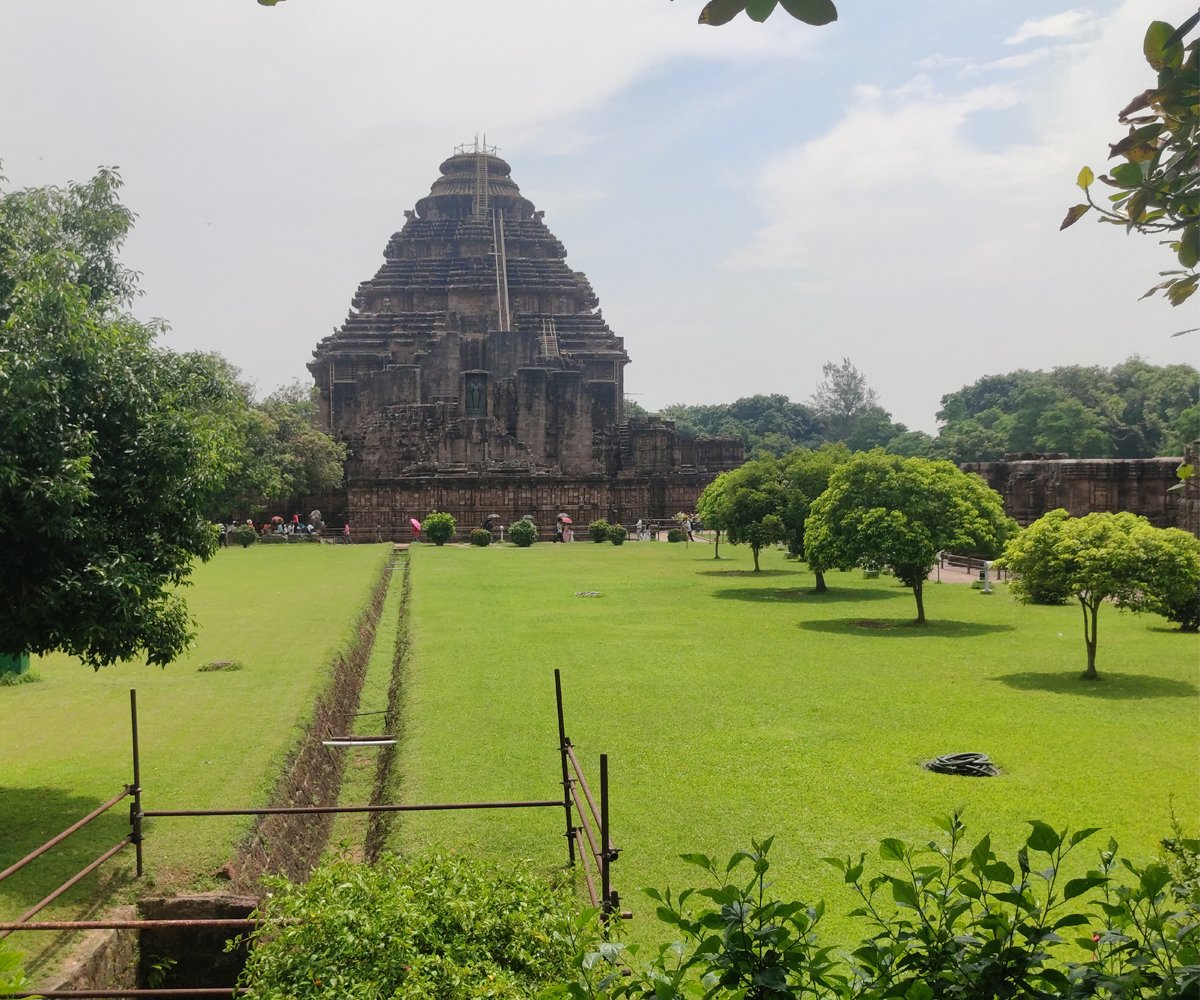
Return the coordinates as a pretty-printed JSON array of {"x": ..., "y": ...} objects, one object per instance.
[
  {"x": 563, "y": 532},
  {"x": 276, "y": 525}
]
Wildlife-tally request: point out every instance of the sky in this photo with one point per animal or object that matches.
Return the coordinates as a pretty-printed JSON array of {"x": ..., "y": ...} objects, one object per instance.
[{"x": 748, "y": 201}]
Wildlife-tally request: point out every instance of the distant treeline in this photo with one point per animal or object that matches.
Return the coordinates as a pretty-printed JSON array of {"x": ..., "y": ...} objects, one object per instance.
[{"x": 1133, "y": 410}]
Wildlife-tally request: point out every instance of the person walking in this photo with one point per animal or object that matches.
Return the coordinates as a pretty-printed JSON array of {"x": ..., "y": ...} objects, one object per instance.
[{"x": 346, "y": 533}]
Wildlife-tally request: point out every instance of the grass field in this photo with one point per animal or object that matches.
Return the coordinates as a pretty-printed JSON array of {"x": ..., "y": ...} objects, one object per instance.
[
  {"x": 208, "y": 738},
  {"x": 735, "y": 704}
]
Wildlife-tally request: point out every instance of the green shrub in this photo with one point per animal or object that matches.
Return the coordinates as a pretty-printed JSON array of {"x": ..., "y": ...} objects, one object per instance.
[
  {"x": 481, "y": 537},
  {"x": 598, "y": 530},
  {"x": 616, "y": 534},
  {"x": 440, "y": 926},
  {"x": 523, "y": 533},
  {"x": 943, "y": 920},
  {"x": 245, "y": 535},
  {"x": 676, "y": 535},
  {"x": 439, "y": 527}
]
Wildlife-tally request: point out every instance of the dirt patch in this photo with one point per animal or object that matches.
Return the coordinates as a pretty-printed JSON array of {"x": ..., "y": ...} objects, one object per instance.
[{"x": 871, "y": 623}]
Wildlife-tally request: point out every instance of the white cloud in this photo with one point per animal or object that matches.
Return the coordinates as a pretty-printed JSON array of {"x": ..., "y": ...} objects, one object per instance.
[{"x": 1069, "y": 22}]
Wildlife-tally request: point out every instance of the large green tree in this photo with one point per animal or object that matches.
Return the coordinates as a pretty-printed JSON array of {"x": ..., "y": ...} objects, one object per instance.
[
  {"x": 278, "y": 451},
  {"x": 1157, "y": 181},
  {"x": 805, "y": 476},
  {"x": 898, "y": 513},
  {"x": 107, "y": 452},
  {"x": 751, "y": 501},
  {"x": 1098, "y": 558}
]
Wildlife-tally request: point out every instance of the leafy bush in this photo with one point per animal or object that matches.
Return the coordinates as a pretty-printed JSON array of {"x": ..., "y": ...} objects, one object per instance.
[
  {"x": 945, "y": 920},
  {"x": 676, "y": 535},
  {"x": 616, "y": 534},
  {"x": 481, "y": 537},
  {"x": 440, "y": 926},
  {"x": 245, "y": 535},
  {"x": 439, "y": 527},
  {"x": 523, "y": 533},
  {"x": 598, "y": 530}
]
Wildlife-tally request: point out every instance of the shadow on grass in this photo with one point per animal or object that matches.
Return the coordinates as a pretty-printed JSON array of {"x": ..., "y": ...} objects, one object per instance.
[
  {"x": 1112, "y": 686},
  {"x": 31, "y": 816},
  {"x": 750, "y": 574},
  {"x": 902, "y": 628},
  {"x": 803, "y": 594}
]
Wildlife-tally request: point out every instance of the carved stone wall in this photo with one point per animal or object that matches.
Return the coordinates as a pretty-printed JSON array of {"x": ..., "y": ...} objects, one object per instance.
[{"x": 1032, "y": 486}]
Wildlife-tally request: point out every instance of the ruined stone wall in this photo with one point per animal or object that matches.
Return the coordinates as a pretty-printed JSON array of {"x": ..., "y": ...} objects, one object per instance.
[
  {"x": 381, "y": 510},
  {"x": 1031, "y": 487}
]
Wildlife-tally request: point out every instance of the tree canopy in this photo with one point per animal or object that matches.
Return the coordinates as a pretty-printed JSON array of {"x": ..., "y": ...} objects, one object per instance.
[
  {"x": 887, "y": 512},
  {"x": 1157, "y": 184},
  {"x": 746, "y": 502},
  {"x": 107, "y": 451},
  {"x": 1103, "y": 557}
]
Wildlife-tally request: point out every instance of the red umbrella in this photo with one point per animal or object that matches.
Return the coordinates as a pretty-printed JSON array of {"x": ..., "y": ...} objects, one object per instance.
[
  {"x": 415, "y": 523},
  {"x": 565, "y": 519}
]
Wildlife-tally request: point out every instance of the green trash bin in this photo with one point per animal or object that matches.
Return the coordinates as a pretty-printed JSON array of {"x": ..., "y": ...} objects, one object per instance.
[{"x": 14, "y": 663}]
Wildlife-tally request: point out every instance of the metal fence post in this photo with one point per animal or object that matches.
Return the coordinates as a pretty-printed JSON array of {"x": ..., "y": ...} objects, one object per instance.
[
  {"x": 563, "y": 743},
  {"x": 135, "y": 808}
]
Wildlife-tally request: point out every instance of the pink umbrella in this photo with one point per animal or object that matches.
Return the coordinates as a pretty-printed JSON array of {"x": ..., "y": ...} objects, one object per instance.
[
  {"x": 565, "y": 519},
  {"x": 416, "y": 527}
]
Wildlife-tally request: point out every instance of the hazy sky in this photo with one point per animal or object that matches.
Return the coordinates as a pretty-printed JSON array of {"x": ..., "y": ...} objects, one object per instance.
[{"x": 748, "y": 201}]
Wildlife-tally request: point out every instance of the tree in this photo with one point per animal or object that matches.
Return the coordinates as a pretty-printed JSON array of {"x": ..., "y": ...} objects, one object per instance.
[
  {"x": 841, "y": 398},
  {"x": 1158, "y": 184},
  {"x": 1170, "y": 559},
  {"x": 711, "y": 509},
  {"x": 805, "y": 475},
  {"x": 750, "y": 506},
  {"x": 106, "y": 452},
  {"x": 1095, "y": 558},
  {"x": 898, "y": 514}
]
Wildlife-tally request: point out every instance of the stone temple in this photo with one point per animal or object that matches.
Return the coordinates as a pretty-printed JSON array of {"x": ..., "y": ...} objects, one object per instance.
[{"x": 476, "y": 375}]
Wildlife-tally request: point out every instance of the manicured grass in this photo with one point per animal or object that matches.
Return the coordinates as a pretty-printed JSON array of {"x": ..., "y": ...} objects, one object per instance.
[
  {"x": 736, "y": 704},
  {"x": 208, "y": 738}
]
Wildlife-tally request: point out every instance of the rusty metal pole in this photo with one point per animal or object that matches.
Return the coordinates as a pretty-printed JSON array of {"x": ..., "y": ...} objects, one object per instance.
[
  {"x": 563, "y": 744},
  {"x": 606, "y": 904},
  {"x": 135, "y": 808}
]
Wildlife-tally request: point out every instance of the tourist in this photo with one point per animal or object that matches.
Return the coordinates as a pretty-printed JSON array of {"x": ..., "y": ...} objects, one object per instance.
[
  {"x": 346, "y": 533},
  {"x": 640, "y": 531},
  {"x": 687, "y": 528}
]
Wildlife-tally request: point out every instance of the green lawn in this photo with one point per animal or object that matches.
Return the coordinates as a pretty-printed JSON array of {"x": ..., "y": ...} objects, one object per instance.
[
  {"x": 735, "y": 704},
  {"x": 207, "y": 738}
]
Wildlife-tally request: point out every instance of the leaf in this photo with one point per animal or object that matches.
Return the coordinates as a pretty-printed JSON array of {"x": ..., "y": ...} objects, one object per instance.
[
  {"x": 1042, "y": 837},
  {"x": 814, "y": 12},
  {"x": 1189, "y": 246},
  {"x": 904, "y": 894},
  {"x": 919, "y": 990},
  {"x": 1160, "y": 49},
  {"x": 1074, "y": 214},
  {"x": 700, "y": 860},
  {"x": 891, "y": 849},
  {"x": 1085, "y": 178},
  {"x": 1128, "y": 175},
  {"x": 718, "y": 12},
  {"x": 1081, "y": 835},
  {"x": 1078, "y": 886},
  {"x": 760, "y": 10},
  {"x": 1154, "y": 878}
]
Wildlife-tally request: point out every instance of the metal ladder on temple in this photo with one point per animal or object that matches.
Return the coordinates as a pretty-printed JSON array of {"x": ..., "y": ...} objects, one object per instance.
[
  {"x": 479, "y": 206},
  {"x": 548, "y": 342}
]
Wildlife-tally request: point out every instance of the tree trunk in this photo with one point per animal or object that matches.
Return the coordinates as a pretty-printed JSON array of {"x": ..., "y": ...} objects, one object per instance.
[
  {"x": 717, "y": 544},
  {"x": 1090, "y": 612},
  {"x": 919, "y": 594},
  {"x": 821, "y": 588},
  {"x": 754, "y": 549}
]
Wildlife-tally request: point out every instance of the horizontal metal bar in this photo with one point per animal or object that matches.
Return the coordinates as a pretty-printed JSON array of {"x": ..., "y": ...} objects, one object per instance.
[
  {"x": 164, "y": 923},
  {"x": 206, "y": 991},
  {"x": 359, "y": 743},
  {"x": 55, "y": 841},
  {"x": 39, "y": 906},
  {"x": 300, "y": 810}
]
